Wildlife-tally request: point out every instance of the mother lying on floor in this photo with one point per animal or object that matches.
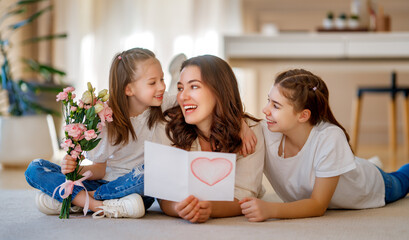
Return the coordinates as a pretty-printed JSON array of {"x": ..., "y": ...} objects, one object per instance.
[{"x": 209, "y": 118}]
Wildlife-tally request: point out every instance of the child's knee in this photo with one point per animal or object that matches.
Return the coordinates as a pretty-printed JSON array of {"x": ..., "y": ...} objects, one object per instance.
[{"x": 36, "y": 166}]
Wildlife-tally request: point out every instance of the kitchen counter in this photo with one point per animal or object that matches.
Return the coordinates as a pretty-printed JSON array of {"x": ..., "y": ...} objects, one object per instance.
[{"x": 318, "y": 46}]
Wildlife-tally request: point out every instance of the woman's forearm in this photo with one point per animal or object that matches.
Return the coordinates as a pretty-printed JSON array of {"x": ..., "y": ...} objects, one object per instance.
[
  {"x": 168, "y": 207},
  {"x": 225, "y": 209}
]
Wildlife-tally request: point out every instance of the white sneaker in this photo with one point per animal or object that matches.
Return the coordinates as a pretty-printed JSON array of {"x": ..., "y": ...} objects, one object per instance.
[
  {"x": 51, "y": 206},
  {"x": 130, "y": 206}
]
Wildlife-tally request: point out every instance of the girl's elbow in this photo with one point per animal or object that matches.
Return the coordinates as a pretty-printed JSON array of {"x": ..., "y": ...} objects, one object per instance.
[{"x": 320, "y": 211}]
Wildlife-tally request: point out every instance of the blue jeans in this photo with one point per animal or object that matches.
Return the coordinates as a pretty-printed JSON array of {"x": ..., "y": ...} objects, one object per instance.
[
  {"x": 396, "y": 183},
  {"x": 46, "y": 176}
]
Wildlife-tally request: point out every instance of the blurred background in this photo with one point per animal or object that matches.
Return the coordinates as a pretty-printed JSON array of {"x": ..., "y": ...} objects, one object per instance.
[{"x": 97, "y": 29}]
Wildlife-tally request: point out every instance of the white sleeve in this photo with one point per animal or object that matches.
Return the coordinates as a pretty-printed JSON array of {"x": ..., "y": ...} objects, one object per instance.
[
  {"x": 160, "y": 136},
  {"x": 333, "y": 154},
  {"x": 249, "y": 170},
  {"x": 101, "y": 153},
  {"x": 169, "y": 101}
]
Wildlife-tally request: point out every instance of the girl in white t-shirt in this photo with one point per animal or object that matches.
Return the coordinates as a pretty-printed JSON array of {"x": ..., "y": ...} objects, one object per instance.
[
  {"x": 309, "y": 161},
  {"x": 137, "y": 91}
]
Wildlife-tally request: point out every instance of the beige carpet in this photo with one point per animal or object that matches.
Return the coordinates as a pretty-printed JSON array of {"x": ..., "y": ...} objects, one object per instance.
[{"x": 19, "y": 219}]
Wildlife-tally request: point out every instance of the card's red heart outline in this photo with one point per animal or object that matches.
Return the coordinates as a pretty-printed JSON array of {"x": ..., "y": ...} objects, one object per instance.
[{"x": 211, "y": 160}]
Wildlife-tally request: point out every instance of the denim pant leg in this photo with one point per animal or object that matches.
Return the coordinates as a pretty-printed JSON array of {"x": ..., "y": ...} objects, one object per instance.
[
  {"x": 396, "y": 184},
  {"x": 132, "y": 182},
  {"x": 47, "y": 176}
]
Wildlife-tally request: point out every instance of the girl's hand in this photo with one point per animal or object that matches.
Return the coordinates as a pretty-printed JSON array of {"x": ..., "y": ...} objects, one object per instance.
[
  {"x": 188, "y": 209},
  {"x": 68, "y": 164},
  {"x": 255, "y": 210},
  {"x": 248, "y": 138},
  {"x": 204, "y": 212}
]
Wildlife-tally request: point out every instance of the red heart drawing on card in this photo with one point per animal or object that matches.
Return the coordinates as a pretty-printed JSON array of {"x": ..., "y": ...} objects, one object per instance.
[{"x": 211, "y": 171}]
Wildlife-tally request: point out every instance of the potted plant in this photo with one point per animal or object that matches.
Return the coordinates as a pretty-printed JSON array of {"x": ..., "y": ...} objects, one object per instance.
[
  {"x": 328, "y": 22},
  {"x": 25, "y": 119},
  {"x": 353, "y": 21},
  {"x": 340, "y": 22}
]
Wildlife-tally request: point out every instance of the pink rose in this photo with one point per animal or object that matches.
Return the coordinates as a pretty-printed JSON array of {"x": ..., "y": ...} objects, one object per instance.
[
  {"x": 73, "y": 108},
  {"x": 100, "y": 127},
  {"x": 80, "y": 104},
  {"x": 62, "y": 96},
  {"x": 105, "y": 114},
  {"x": 74, "y": 154},
  {"x": 75, "y": 130},
  {"x": 90, "y": 134},
  {"x": 78, "y": 148},
  {"x": 67, "y": 144},
  {"x": 69, "y": 89}
]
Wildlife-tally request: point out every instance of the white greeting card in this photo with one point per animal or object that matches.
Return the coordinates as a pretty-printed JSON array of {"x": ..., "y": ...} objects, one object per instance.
[{"x": 174, "y": 174}]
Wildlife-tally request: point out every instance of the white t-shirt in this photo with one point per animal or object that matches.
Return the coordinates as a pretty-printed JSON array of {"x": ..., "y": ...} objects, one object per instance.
[
  {"x": 121, "y": 159},
  {"x": 325, "y": 154},
  {"x": 249, "y": 169}
]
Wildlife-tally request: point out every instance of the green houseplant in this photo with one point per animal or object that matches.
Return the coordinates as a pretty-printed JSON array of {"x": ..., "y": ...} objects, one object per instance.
[
  {"x": 19, "y": 90},
  {"x": 21, "y": 104}
]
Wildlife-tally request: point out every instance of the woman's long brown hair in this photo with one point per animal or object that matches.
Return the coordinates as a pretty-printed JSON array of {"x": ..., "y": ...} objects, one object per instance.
[
  {"x": 123, "y": 71},
  {"x": 307, "y": 91},
  {"x": 227, "y": 114}
]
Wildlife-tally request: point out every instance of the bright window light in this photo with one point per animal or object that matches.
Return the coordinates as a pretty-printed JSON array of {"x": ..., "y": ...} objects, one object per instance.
[
  {"x": 183, "y": 44},
  {"x": 87, "y": 62},
  {"x": 143, "y": 40}
]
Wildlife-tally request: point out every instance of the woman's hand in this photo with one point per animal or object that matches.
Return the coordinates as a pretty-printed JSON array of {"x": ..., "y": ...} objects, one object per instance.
[
  {"x": 193, "y": 210},
  {"x": 188, "y": 208},
  {"x": 68, "y": 164},
  {"x": 204, "y": 211}
]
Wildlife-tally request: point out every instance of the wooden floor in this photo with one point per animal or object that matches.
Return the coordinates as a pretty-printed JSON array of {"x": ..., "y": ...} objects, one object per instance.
[
  {"x": 382, "y": 151},
  {"x": 13, "y": 178}
]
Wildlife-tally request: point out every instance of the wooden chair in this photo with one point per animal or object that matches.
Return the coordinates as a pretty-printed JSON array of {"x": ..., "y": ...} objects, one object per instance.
[{"x": 393, "y": 90}]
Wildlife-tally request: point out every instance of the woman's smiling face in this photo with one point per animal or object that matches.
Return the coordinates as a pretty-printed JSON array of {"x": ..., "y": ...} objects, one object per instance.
[{"x": 195, "y": 98}]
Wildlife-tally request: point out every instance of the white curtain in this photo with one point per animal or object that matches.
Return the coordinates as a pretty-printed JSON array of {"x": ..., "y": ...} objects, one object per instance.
[{"x": 97, "y": 29}]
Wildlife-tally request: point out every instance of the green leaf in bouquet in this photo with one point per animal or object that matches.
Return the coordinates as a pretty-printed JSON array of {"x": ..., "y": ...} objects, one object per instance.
[
  {"x": 90, "y": 113},
  {"x": 79, "y": 117},
  {"x": 83, "y": 142},
  {"x": 94, "y": 124},
  {"x": 92, "y": 144},
  {"x": 91, "y": 124}
]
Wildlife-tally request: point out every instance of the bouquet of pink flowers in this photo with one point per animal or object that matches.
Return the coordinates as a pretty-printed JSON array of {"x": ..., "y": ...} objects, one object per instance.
[{"x": 84, "y": 120}]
